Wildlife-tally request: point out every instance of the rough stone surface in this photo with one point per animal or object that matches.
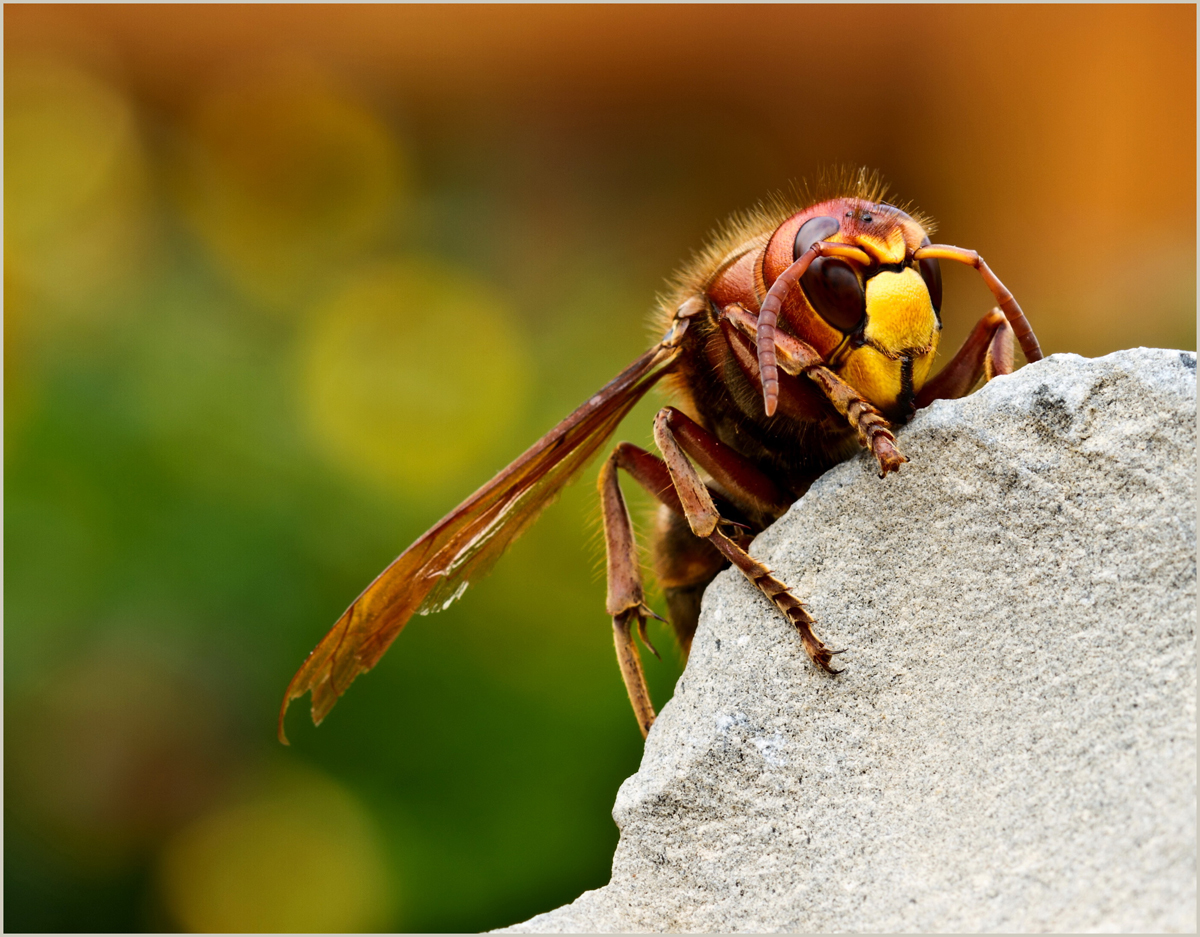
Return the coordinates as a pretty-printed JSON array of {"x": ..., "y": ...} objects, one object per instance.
[{"x": 1012, "y": 744}]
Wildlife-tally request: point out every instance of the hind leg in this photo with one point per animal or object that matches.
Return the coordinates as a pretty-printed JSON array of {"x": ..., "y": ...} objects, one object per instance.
[
  {"x": 626, "y": 600},
  {"x": 685, "y": 563}
]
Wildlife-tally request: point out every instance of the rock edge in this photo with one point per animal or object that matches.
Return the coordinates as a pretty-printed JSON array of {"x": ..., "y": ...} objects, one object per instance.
[{"x": 1012, "y": 744}]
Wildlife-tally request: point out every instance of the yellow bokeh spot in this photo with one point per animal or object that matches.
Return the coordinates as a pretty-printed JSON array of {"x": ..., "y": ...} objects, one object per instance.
[
  {"x": 300, "y": 855},
  {"x": 412, "y": 372},
  {"x": 286, "y": 176},
  {"x": 74, "y": 183}
]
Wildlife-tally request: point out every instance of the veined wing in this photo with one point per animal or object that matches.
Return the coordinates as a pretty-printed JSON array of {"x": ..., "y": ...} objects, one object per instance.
[{"x": 464, "y": 544}]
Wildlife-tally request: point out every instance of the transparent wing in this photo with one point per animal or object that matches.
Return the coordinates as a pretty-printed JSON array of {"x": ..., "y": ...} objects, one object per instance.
[{"x": 463, "y": 545}]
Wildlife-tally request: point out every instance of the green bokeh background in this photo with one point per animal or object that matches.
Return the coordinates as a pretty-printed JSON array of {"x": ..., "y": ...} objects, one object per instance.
[{"x": 283, "y": 284}]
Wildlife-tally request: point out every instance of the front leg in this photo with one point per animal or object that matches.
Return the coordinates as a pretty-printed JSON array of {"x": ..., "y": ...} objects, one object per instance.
[
  {"x": 796, "y": 357},
  {"x": 705, "y": 521},
  {"x": 987, "y": 353}
]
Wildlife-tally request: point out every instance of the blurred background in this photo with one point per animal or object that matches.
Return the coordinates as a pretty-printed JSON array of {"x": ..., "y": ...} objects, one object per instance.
[{"x": 284, "y": 284}]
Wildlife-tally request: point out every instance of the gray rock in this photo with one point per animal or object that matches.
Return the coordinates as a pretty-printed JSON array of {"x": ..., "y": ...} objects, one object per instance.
[{"x": 1012, "y": 744}]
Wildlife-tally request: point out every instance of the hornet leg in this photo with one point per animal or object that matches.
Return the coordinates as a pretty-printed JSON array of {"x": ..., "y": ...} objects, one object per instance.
[
  {"x": 684, "y": 562},
  {"x": 705, "y": 521},
  {"x": 797, "y": 357},
  {"x": 987, "y": 352},
  {"x": 626, "y": 599}
]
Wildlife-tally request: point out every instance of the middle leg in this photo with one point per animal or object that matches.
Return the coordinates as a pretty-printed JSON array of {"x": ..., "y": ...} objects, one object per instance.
[{"x": 705, "y": 521}]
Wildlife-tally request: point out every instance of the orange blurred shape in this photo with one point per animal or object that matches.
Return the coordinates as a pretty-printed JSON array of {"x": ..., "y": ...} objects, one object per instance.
[{"x": 286, "y": 175}]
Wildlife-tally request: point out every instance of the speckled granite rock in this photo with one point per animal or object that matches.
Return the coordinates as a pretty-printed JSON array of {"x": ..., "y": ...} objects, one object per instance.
[{"x": 1012, "y": 744}]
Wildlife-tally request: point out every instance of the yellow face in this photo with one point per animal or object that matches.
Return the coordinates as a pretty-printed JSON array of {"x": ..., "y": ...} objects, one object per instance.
[{"x": 898, "y": 342}]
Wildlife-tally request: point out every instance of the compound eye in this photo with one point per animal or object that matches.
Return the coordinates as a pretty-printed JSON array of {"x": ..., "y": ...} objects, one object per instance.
[
  {"x": 902, "y": 214},
  {"x": 834, "y": 291},
  {"x": 931, "y": 273},
  {"x": 813, "y": 230}
]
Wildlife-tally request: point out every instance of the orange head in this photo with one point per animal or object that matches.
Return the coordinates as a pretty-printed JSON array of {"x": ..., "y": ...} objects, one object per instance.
[{"x": 875, "y": 322}]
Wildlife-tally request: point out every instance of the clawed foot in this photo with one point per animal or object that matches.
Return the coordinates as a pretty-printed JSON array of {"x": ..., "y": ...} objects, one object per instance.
[
  {"x": 643, "y": 612},
  {"x": 882, "y": 444},
  {"x": 780, "y": 596},
  {"x": 818, "y": 652}
]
